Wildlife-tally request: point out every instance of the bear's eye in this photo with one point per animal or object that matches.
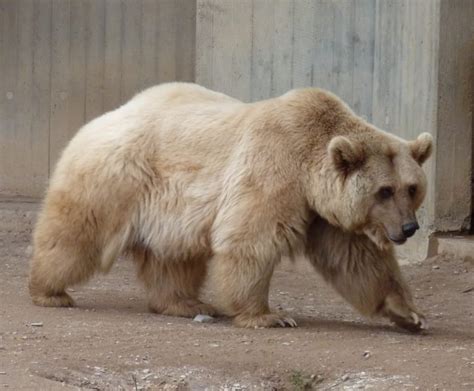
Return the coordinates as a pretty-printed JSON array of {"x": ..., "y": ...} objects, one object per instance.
[
  {"x": 385, "y": 192},
  {"x": 412, "y": 190}
]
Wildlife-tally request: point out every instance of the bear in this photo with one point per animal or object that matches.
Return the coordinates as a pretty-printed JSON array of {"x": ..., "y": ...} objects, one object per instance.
[{"x": 190, "y": 182}]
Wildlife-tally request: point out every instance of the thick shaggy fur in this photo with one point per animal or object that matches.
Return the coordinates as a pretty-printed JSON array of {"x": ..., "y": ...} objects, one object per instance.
[
  {"x": 183, "y": 178},
  {"x": 365, "y": 275}
]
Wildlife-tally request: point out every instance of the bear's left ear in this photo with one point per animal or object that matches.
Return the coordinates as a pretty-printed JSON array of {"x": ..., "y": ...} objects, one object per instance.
[
  {"x": 347, "y": 155},
  {"x": 421, "y": 148}
]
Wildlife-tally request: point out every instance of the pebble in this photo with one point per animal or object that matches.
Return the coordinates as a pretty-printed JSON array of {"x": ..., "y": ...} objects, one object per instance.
[
  {"x": 366, "y": 354},
  {"x": 435, "y": 267},
  {"x": 203, "y": 319},
  {"x": 345, "y": 377},
  {"x": 29, "y": 251},
  {"x": 3, "y": 373},
  {"x": 36, "y": 324}
]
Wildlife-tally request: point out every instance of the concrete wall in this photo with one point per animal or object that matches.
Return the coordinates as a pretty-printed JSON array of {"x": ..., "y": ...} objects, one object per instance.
[
  {"x": 406, "y": 65},
  {"x": 63, "y": 62}
]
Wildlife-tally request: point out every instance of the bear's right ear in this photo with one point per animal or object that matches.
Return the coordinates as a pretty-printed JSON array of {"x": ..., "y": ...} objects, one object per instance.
[
  {"x": 421, "y": 148},
  {"x": 345, "y": 154}
]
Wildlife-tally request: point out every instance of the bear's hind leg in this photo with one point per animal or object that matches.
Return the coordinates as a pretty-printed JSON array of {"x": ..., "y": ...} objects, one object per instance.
[
  {"x": 64, "y": 254},
  {"x": 54, "y": 267},
  {"x": 367, "y": 277},
  {"x": 173, "y": 287}
]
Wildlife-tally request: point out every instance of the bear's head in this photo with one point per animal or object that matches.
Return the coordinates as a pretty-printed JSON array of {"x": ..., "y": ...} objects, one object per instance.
[{"x": 377, "y": 184}]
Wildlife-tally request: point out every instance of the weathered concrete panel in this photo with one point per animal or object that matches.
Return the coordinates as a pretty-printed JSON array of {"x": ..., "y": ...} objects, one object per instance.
[
  {"x": 63, "y": 62},
  {"x": 25, "y": 59},
  {"x": 455, "y": 105},
  {"x": 260, "y": 48}
]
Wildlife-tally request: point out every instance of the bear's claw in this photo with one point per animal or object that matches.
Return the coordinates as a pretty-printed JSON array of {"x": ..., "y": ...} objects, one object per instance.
[{"x": 414, "y": 322}]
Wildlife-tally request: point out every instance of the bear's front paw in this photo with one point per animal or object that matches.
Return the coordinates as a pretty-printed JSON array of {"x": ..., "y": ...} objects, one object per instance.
[
  {"x": 402, "y": 312},
  {"x": 264, "y": 320},
  {"x": 413, "y": 322}
]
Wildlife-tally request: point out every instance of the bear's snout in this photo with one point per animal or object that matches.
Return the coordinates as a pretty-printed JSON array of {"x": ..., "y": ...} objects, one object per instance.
[{"x": 409, "y": 229}]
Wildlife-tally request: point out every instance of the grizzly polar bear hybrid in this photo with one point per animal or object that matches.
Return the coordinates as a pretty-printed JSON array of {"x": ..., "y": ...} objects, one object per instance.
[{"x": 182, "y": 178}]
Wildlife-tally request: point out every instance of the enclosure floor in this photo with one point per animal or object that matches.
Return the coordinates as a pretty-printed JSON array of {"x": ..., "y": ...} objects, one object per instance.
[{"x": 110, "y": 341}]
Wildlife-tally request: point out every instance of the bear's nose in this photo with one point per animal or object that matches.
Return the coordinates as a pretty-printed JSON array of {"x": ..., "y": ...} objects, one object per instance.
[{"x": 410, "y": 229}]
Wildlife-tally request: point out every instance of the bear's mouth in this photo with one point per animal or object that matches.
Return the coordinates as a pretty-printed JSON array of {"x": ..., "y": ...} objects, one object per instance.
[{"x": 398, "y": 241}]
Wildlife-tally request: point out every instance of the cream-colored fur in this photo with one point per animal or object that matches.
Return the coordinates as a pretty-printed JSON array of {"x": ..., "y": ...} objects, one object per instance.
[{"x": 184, "y": 178}]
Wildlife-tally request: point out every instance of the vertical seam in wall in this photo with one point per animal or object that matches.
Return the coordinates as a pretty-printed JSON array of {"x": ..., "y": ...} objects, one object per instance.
[
  {"x": 86, "y": 71},
  {"x": 436, "y": 114},
  {"x": 69, "y": 89},
  {"x": 251, "y": 51},
  {"x": 353, "y": 18},
  {"x": 193, "y": 47},
  {"x": 374, "y": 37},
  {"x": 213, "y": 43},
  {"x": 155, "y": 47},
  {"x": 399, "y": 45},
  {"x": 272, "y": 58},
  {"x": 122, "y": 35},
  {"x": 141, "y": 84},
  {"x": 50, "y": 84},
  {"x": 292, "y": 43},
  {"x": 376, "y": 12},
  {"x": 194, "y": 54},
  {"x": 102, "y": 81},
  {"x": 177, "y": 71},
  {"x": 32, "y": 92}
]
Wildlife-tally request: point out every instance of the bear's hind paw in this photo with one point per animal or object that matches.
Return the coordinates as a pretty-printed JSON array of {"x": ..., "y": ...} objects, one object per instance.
[
  {"x": 185, "y": 308},
  {"x": 59, "y": 300},
  {"x": 265, "y": 320}
]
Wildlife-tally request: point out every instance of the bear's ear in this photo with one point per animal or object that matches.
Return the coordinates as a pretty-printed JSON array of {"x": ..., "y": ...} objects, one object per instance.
[
  {"x": 421, "y": 148},
  {"x": 345, "y": 154}
]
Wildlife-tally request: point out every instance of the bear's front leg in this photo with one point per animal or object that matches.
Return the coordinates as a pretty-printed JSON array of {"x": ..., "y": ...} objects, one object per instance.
[
  {"x": 242, "y": 285},
  {"x": 366, "y": 276}
]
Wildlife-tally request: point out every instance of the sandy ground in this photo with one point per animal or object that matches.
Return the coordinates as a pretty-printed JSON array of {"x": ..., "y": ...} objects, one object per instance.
[{"x": 111, "y": 342}]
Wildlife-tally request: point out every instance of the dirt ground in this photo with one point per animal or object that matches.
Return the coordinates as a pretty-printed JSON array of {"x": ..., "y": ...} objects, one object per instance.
[{"x": 110, "y": 341}]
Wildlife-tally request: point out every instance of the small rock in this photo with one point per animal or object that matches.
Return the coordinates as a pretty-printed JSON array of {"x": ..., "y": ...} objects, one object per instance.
[
  {"x": 214, "y": 345},
  {"x": 145, "y": 371},
  {"x": 366, "y": 354},
  {"x": 99, "y": 370},
  {"x": 435, "y": 267},
  {"x": 147, "y": 376},
  {"x": 345, "y": 377},
  {"x": 36, "y": 324},
  {"x": 203, "y": 319},
  {"x": 3, "y": 373},
  {"x": 29, "y": 250}
]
